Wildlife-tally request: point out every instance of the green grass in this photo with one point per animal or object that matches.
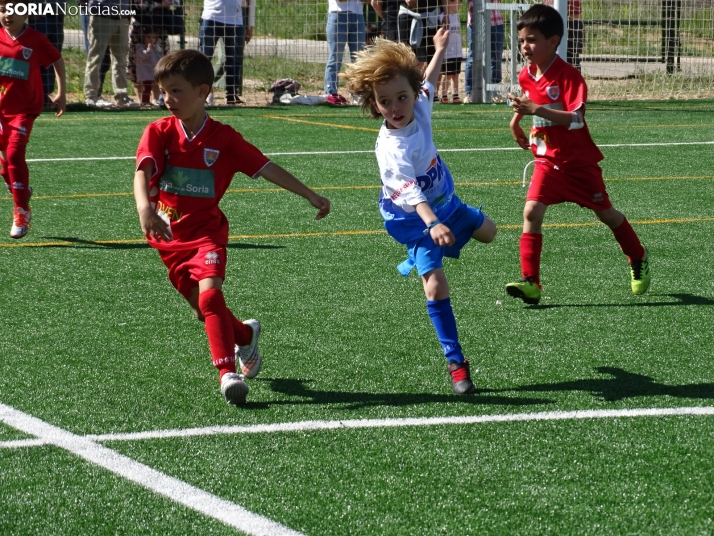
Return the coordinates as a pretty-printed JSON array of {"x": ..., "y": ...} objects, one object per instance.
[{"x": 95, "y": 340}]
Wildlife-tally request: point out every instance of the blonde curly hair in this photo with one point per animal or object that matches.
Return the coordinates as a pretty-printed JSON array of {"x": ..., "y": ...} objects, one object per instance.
[{"x": 377, "y": 64}]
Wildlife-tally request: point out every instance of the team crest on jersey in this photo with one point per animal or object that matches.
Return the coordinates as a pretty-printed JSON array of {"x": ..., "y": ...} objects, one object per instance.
[
  {"x": 553, "y": 92},
  {"x": 210, "y": 156},
  {"x": 26, "y": 53}
]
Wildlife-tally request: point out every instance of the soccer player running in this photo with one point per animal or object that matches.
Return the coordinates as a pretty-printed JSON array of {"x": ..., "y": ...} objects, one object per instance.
[
  {"x": 417, "y": 200},
  {"x": 22, "y": 52},
  {"x": 184, "y": 165},
  {"x": 566, "y": 165}
]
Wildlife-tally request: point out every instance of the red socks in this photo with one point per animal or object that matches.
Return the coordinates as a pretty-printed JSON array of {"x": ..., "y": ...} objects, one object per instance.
[
  {"x": 219, "y": 328},
  {"x": 17, "y": 174},
  {"x": 242, "y": 333},
  {"x": 531, "y": 246},
  {"x": 630, "y": 244}
]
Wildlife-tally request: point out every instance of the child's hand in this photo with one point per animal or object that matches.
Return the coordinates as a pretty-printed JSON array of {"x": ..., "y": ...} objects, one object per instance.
[
  {"x": 522, "y": 105},
  {"x": 520, "y": 136},
  {"x": 322, "y": 204},
  {"x": 59, "y": 103},
  {"x": 154, "y": 226},
  {"x": 442, "y": 235},
  {"x": 441, "y": 38}
]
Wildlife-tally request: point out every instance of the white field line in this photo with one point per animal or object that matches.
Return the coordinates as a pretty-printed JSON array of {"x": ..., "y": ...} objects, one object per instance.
[
  {"x": 229, "y": 513},
  {"x": 317, "y": 153},
  {"x": 379, "y": 423}
]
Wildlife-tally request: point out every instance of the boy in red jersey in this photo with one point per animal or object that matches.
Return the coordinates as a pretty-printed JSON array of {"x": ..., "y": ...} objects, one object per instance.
[
  {"x": 566, "y": 165},
  {"x": 185, "y": 164},
  {"x": 22, "y": 52}
]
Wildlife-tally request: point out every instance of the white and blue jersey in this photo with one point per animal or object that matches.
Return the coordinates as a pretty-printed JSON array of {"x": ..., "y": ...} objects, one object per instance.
[{"x": 412, "y": 172}]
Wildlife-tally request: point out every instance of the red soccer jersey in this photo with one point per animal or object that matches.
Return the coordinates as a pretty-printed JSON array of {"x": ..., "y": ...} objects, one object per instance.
[
  {"x": 191, "y": 177},
  {"x": 20, "y": 80},
  {"x": 561, "y": 87}
]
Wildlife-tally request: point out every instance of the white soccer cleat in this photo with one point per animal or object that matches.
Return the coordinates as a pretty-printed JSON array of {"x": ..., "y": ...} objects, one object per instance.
[
  {"x": 234, "y": 388},
  {"x": 248, "y": 356},
  {"x": 20, "y": 223}
]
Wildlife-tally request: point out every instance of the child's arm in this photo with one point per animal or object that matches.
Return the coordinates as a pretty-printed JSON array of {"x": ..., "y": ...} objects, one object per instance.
[
  {"x": 152, "y": 225},
  {"x": 440, "y": 233},
  {"x": 280, "y": 177},
  {"x": 525, "y": 106},
  {"x": 434, "y": 68},
  {"x": 377, "y": 6},
  {"x": 517, "y": 131},
  {"x": 60, "y": 100}
]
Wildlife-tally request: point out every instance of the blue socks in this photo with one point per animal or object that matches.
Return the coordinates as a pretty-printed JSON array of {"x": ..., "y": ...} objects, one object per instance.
[{"x": 442, "y": 316}]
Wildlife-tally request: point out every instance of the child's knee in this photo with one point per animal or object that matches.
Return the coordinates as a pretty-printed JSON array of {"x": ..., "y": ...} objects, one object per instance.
[
  {"x": 533, "y": 212},
  {"x": 487, "y": 232}
]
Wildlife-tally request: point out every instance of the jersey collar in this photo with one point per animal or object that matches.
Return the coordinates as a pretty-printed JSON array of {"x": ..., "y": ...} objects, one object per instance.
[
  {"x": 24, "y": 29},
  {"x": 205, "y": 120}
]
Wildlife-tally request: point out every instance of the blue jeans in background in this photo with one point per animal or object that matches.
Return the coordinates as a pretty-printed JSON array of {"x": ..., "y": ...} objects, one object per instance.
[
  {"x": 497, "y": 38},
  {"x": 343, "y": 28},
  {"x": 233, "y": 42}
]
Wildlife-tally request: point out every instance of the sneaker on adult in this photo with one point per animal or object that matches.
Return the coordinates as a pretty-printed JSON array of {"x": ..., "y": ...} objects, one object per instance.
[
  {"x": 233, "y": 388},
  {"x": 460, "y": 373},
  {"x": 248, "y": 356},
  {"x": 90, "y": 102},
  {"x": 526, "y": 290},
  {"x": 101, "y": 102},
  {"x": 209, "y": 99},
  {"x": 640, "y": 277},
  {"x": 335, "y": 99},
  {"x": 20, "y": 222},
  {"x": 125, "y": 101}
]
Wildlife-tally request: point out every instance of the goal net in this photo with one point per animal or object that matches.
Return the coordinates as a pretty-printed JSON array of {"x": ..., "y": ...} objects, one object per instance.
[{"x": 626, "y": 49}]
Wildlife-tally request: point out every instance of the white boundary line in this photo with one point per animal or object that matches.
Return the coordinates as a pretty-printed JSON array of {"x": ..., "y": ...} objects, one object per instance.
[
  {"x": 301, "y": 426},
  {"x": 229, "y": 513},
  {"x": 318, "y": 153}
]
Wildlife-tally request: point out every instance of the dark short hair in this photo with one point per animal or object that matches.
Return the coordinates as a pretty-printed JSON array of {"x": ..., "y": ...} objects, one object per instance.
[
  {"x": 192, "y": 65},
  {"x": 543, "y": 18}
]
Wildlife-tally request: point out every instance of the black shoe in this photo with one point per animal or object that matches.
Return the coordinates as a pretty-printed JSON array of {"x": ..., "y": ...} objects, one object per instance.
[{"x": 461, "y": 383}]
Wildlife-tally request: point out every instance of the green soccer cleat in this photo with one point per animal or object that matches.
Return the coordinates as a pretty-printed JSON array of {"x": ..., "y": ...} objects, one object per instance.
[
  {"x": 526, "y": 290},
  {"x": 640, "y": 277}
]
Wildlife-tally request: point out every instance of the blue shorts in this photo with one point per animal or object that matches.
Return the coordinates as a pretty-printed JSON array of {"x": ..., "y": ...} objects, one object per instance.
[{"x": 427, "y": 256}]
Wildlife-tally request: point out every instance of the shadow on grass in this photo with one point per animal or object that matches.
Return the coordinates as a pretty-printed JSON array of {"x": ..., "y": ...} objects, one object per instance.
[
  {"x": 622, "y": 385},
  {"x": 363, "y": 400},
  {"x": 100, "y": 244},
  {"x": 680, "y": 299}
]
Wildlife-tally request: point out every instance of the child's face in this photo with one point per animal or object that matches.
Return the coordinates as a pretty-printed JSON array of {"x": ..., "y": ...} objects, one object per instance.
[
  {"x": 395, "y": 101},
  {"x": 536, "y": 48},
  {"x": 12, "y": 23},
  {"x": 181, "y": 98}
]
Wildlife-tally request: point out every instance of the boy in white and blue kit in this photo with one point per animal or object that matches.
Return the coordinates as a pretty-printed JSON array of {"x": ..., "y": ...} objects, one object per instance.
[{"x": 417, "y": 201}]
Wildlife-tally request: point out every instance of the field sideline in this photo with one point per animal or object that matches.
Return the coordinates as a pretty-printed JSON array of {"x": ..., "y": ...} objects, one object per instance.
[{"x": 594, "y": 409}]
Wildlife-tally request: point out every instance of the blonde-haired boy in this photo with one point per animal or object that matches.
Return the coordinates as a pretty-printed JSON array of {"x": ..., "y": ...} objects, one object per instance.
[{"x": 417, "y": 201}]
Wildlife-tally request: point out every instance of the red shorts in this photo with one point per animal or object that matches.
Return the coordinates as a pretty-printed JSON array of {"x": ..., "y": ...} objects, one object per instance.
[
  {"x": 582, "y": 184},
  {"x": 15, "y": 128},
  {"x": 188, "y": 266}
]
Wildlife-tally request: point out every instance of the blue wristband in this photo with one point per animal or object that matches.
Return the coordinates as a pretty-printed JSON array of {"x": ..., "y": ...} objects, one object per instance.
[{"x": 431, "y": 225}]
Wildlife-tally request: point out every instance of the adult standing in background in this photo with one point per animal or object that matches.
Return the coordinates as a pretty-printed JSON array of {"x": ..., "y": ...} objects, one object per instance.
[
  {"x": 108, "y": 30},
  {"x": 388, "y": 11},
  {"x": 417, "y": 23},
  {"x": 248, "y": 9},
  {"x": 223, "y": 19},
  {"x": 497, "y": 38},
  {"x": 345, "y": 26}
]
